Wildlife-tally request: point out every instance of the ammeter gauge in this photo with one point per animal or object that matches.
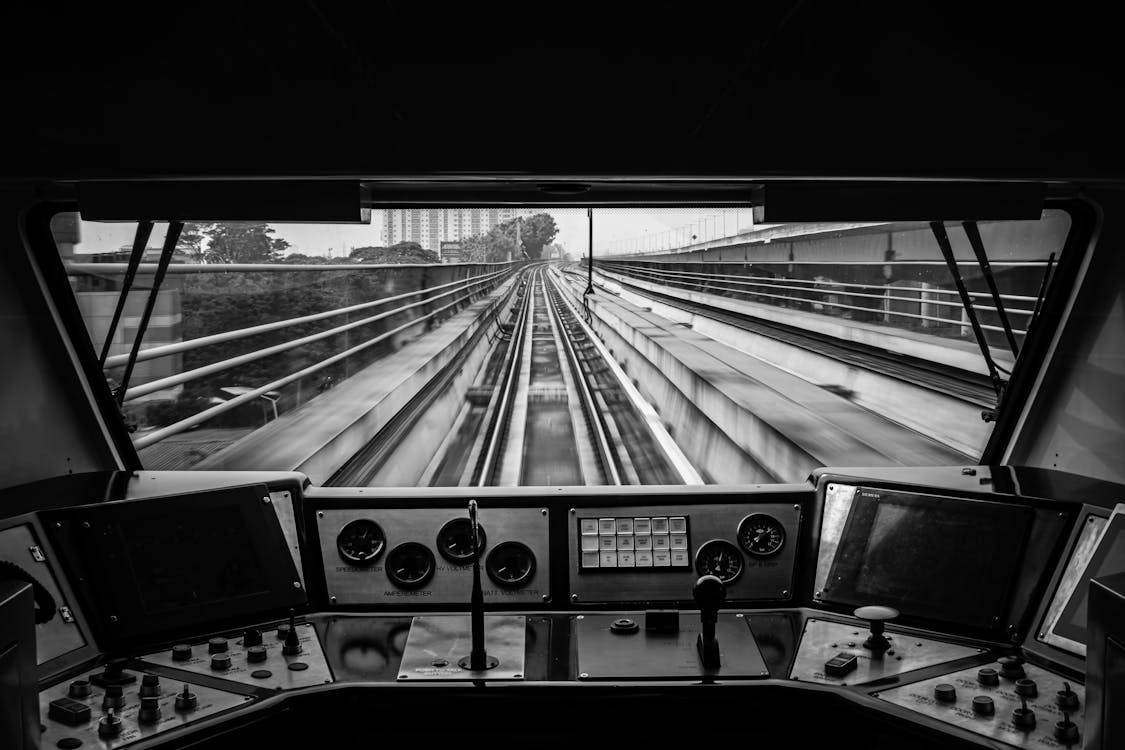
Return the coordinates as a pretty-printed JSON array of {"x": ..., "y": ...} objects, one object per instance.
[
  {"x": 719, "y": 558},
  {"x": 761, "y": 535}
]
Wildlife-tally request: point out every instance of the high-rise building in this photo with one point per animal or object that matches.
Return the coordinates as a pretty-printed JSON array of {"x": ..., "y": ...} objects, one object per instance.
[{"x": 429, "y": 227}]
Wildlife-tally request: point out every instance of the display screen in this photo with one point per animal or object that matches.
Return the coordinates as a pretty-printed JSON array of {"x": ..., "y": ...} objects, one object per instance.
[
  {"x": 935, "y": 557},
  {"x": 170, "y": 571},
  {"x": 1109, "y": 558}
]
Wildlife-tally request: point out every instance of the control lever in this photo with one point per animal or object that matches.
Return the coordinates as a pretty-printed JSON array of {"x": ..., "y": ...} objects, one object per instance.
[
  {"x": 876, "y": 616},
  {"x": 709, "y": 593},
  {"x": 478, "y": 659}
]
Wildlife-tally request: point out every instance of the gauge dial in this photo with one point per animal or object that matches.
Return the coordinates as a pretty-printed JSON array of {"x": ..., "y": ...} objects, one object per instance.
[
  {"x": 361, "y": 542},
  {"x": 410, "y": 565},
  {"x": 761, "y": 535},
  {"x": 719, "y": 558},
  {"x": 510, "y": 564},
  {"x": 455, "y": 540}
]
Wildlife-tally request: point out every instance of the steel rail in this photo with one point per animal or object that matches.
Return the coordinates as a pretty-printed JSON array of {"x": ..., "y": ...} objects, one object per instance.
[
  {"x": 199, "y": 418},
  {"x": 893, "y": 313},
  {"x": 103, "y": 269},
  {"x": 494, "y": 419},
  {"x": 846, "y": 284},
  {"x": 1004, "y": 263},
  {"x": 610, "y": 457},
  {"x": 168, "y": 350},
  {"x": 228, "y": 364}
]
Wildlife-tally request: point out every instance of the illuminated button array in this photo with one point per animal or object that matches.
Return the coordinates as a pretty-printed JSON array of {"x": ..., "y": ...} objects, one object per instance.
[{"x": 634, "y": 542}]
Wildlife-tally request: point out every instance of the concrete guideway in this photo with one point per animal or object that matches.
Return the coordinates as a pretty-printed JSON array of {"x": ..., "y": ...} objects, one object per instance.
[
  {"x": 324, "y": 433},
  {"x": 952, "y": 419},
  {"x": 742, "y": 419}
]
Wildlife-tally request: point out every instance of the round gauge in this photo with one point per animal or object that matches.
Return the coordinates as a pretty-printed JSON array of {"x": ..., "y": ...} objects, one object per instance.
[
  {"x": 720, "y": 559},
  {"x": 410, "y": 565},
  {"x": 761, "y": 535},
  {"x": 455, "y": 540},
  {"x": 510, "y": 564},
  {"x": 361, "y": 542}
]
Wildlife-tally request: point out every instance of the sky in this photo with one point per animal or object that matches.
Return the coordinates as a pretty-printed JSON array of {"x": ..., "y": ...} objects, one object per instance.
[{"x": 616, "y": 230}]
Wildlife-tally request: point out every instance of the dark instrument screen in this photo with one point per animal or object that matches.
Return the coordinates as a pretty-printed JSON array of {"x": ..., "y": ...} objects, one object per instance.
[{"x": 941, "y": 558}]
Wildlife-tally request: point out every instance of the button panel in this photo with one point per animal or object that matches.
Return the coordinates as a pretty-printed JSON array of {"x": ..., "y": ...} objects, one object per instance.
[{"x": 633, "y": 542}]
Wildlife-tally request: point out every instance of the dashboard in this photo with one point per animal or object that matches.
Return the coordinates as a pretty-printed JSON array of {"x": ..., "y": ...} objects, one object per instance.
[{"x": 947, "y": 606}]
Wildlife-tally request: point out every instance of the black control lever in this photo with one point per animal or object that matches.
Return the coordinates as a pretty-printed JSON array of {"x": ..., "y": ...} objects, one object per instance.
[
  {"x": 709, "y": 593},
  {"x": 478, "y": 659},
  {"x": 876, "y": 617}
]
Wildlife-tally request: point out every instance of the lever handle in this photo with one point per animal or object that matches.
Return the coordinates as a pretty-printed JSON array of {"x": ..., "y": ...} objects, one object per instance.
[{"x": 709, "y": 593}]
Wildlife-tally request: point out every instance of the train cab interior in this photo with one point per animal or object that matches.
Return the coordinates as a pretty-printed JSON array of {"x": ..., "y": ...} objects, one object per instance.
[{"x": 409, "y": 376}]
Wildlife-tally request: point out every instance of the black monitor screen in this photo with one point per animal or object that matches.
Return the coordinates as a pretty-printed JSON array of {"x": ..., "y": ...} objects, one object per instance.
[
  {"x": 1108, "y": 558},
  {"x": 170, "y": 570},
  {"x": 938, "y": 558}
]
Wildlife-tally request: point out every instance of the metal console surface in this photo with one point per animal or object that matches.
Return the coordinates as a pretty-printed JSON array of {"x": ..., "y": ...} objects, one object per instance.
[
  {"x": 1004, "y": 699},
  {"x": 760, "y": 578},
  {"x": 350, "y": 584}
]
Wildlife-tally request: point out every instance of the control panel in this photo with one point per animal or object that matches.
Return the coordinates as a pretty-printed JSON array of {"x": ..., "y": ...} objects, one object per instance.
[
  {"x": 115, "y": 707},
  {"x": 424, "y": 555},
  {"x": 655, "y": 553},
  {"x": 1008, "y": 700}
]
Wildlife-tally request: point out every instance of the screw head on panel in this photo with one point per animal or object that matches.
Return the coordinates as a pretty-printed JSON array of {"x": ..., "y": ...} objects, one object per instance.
[{"x": 266, "y": 499}]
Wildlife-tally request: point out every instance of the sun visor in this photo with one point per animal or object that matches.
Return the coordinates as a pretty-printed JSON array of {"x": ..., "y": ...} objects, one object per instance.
[
  {"x": 325, "y": 201},
  {"x": 845, "y": 201}
]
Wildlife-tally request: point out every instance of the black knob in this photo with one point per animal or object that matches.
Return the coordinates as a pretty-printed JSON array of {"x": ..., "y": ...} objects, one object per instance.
[
  {"x": 876, "y": 617},
  {"x": 1027, "y": 688},
  {"x": 110, "y": 725},
  {"x": 1023, "y": 717},
  {"x": 181, "y": 652},
  {"x": 256, "y": 654},
  {"x": 150, "y": 686},
  {"x": 945, "y": 693},
  {"x": 983, "y": 705},
  {"x": 79, "y": 689},
  {"x": 186, "y": 701},
  {"x": 1011, "y": 667},
  {"x": 217, "y": 646},
  {"x": 220, "y": 662},
  {"x": 252, "y": 637},
  {"x": 114, "y": 697},
  {"x": 114, "y": 670},
  {"x": 1066, "y": 699},
  {"x": 709, "y": 593},
  {"x": 282, "y": 632},
  {"x": 150, "y": 711},
  {"x": 988, "y": 676},
  {"x": 1066, "y": 731}
]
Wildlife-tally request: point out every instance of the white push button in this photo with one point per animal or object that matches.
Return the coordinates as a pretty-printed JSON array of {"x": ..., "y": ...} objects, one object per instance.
[
  {"x": 642, "y": 526},
  {"x": 589, "y": 544},
  {"x": 660, "y": 526},
  {"x": 677, "y": 525},
  {"x": 661, "y": 559},
  {"x": 625, "y": 560},
  {"x": 590, "y": 559},
  {"x": 679, "y": 558},
  {"x": 624, "y": 525},
  {"x": 642, "y": 542},
  {"x": 679, "y": 541},
  {"x": 589, "y": 525},
  {"x": 609, "y": 559},
  {"x": 606, "y": 526},
  {"x": 625, "y": 542},
  {"x": 660, "y": 541},
  {"x": 608, "y": 542},
  {"x": 644, "y": 559}
]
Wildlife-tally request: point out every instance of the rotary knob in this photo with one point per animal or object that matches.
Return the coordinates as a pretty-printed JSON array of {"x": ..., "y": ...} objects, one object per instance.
[
  {"x": 1023, "y": 717},
  {"x": 110, "y": 725},
  {"x": 983, "y": 705},
  {"x": 114, "y": 697},
  {"x": 988, "y": 676},
  {"x": 256, "y": 654},
  {"x": 1026, "y": 688},
  {"x": 1066, "y": 699},
  {"x": 150, "y": 711},
  {"x": 220, "y": 662},
  {"x": 181, "y": 652},
  {"x": 217, "y": 646},
  {"x": 186, "y": 701},
  {"x": 282, "y": 632},
  {"x": 1066, "y": 731},
  {"x": 150, "y": 686},
  {"x": 79, "y": 689},
  {"x": 252, "y": 637},
  {"x": 945, "y": 693},
  {"x": 1011, "y": 667}
]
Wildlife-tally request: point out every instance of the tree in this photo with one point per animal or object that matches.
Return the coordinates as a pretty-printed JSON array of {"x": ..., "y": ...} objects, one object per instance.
[
  {"x": 400, "y": 252},
  {"x": 190, "y": 243},
  {"x": 242, "y": 242},
  {"x": 535, "y": 232}
]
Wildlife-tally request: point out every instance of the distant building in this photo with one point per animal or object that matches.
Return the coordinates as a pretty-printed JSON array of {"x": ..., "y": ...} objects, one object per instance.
[
  {"x": 429, "y": 227},
  {"x": 451, "y": 251}
]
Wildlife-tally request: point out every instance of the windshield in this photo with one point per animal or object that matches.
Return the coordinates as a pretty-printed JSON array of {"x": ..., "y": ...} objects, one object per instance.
[{"x": 477, "y": 346}]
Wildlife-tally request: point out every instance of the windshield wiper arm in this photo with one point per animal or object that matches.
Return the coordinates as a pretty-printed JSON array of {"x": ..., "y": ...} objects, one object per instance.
[
  {"x": 942, "y": 238},
  {"x": 986, "y": 269},
  {"x": 140, "y": 242},
  {"x": 170, "y": 241}
]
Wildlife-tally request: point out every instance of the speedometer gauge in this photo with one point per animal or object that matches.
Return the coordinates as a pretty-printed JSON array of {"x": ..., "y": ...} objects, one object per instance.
[
  {"x": 720, "y": 559},
  {"x": 761, "y": 535},
  {"x": 361, "y": 542}
]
